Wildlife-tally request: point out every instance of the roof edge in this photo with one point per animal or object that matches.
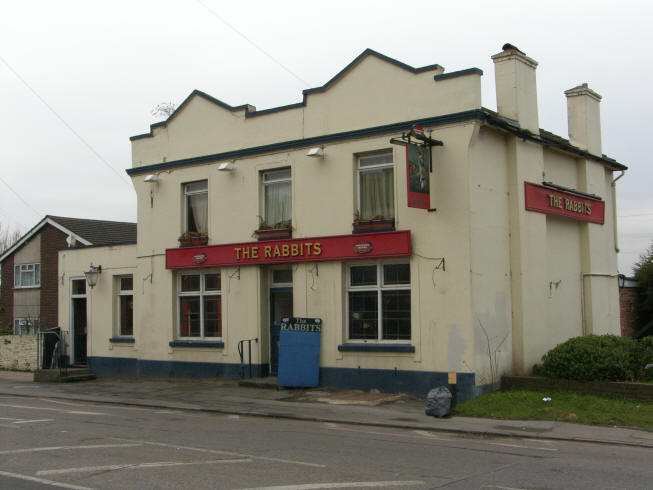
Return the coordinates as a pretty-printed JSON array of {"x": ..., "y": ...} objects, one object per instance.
[
  {"x": 47, "y": 220},
  {"x": 483, "y": 114}
]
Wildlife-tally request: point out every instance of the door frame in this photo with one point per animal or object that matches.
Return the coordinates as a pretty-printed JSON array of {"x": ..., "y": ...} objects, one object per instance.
[{"x": 71, "y": 330}]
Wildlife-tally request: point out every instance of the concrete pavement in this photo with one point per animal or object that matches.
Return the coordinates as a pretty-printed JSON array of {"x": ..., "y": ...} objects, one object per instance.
[{"x": 347, "y": 407}]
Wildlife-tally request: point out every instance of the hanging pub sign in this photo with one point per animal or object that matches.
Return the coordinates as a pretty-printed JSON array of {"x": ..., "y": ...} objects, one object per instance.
[
  {"x": 419, "y": 165},
  {"x": 549, "y": 200},
  {"x": 418, "y": 176}
]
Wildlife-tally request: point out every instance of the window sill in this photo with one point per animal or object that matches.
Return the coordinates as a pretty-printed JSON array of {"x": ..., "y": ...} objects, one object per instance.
[
  {"x": 27, "y": 287},
  {"x": 373, "y": 347},
  {"x": 122, "y": 340},
  {"x": 214, "y": 344}
]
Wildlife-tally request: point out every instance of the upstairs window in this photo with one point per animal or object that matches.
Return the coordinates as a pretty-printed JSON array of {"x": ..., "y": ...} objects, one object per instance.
[
  {"x": 196, "y": 196},
  {"x": 379, "y": 302},
  {"x": 376, "y": 186},
  {"x": 200, "y": 305},
  {"x": 27, "y": 275},
  {"x": 126, "y": 306},
  {"x": 277, "y": 198}
]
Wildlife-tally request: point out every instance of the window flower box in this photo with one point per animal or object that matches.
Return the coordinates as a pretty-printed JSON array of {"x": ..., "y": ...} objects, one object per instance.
[
  {"x": 278, "y": 231},
  {"x": 193, "y": 239},
  {"x": 273, "y": 233},
  {"x": 373, "y": 225}
]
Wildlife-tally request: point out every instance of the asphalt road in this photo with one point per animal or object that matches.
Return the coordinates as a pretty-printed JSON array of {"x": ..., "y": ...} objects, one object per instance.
[{"x": 47, "y": 443}]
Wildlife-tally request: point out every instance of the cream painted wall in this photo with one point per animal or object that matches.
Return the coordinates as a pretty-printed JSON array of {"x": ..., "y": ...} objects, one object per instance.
[
  {"x": 101, "y": 301},
  {"x": 490, "y": 256},
  {"x": 392, "y": 94},
  {"x": 563, "y": 264},
  {"x": 560, "y": 169}
]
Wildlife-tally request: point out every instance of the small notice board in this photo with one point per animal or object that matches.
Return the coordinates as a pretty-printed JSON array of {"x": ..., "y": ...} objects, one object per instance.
[{"x": 299, "y": 352}]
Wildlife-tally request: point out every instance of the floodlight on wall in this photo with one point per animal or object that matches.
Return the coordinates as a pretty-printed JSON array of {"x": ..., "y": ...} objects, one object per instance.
[
  {"x": 226, "y": 166},
  {"x": 92, "y": 274},
  {"x": 317, "y": 152},
  {"x": 152, "y": 179}
]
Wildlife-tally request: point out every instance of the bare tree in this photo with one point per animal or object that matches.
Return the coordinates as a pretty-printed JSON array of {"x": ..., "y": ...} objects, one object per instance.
[
  {"x": 8, "y": 237},
  {"x": 163, "y": 110}
]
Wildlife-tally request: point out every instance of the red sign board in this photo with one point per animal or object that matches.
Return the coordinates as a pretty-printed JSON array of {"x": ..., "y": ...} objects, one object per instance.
[
  {"x": 563, "y": 203},
  {"x": 318, "y": 249},
  {"x": 417, "y": 177}
]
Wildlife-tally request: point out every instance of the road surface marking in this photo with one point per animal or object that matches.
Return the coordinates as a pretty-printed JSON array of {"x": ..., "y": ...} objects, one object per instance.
[
  {"x": 234, "y": 417},
  {"x": 351, "y": 484},
  {"x": 522, "y": 447},
  {"x": 41, "y": 480},
  {"x": 66, "y": 448},
  {"x": 230, "y": 453},
  {"x": 32, "y": 421},
  {"x": 138, "y": 466},
  {"x": 50, "y": 400},
  {"x": 503, "y": 488},
  {"x": 78, "y": 412},
  {"x": 61, "y": 410},
  {"x": 389, "y": 434},
  {"x": 8, "y": 418},
  {"x": 430, "y": 435}
]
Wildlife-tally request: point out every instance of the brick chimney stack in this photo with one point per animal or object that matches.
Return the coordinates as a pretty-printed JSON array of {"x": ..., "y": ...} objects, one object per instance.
[
  {"x": 514, "y": 73},
  {"x": 584, "y": 116}
]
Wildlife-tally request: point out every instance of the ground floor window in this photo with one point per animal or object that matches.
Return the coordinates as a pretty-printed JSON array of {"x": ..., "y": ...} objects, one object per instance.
[
  {"x": 200, "y": 305},
  {"x": 378, "y": 302},
  {"x": 126, "y": 306},
  {"x": 25, "y": 326}
]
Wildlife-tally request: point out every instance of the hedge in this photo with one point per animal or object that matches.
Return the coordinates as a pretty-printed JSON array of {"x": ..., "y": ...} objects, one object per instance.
[{"x": 598, "y": 358}]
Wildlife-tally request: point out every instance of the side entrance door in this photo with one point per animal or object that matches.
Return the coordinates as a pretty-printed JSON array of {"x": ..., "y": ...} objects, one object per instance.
[
  {"x": 78, "y": 320},
  {"x": 280, "y": 307}
]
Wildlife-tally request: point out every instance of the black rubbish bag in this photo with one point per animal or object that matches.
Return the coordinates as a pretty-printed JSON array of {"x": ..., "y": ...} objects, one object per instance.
[{"x": 438, "y": 402}]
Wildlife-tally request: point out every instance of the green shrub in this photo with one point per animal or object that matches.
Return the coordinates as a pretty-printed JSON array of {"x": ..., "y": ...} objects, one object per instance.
[{"x": 593, "y": 358}]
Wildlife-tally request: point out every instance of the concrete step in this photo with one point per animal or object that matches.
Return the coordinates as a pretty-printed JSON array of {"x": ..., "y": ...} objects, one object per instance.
[
  {"x": 78, "y": 377},
  {"x": 267, "y": 382},
  {"x": 67, "y": 375}
]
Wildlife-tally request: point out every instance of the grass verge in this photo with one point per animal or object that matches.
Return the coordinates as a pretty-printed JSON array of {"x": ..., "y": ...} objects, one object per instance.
[{"x": 564, "y": 406}]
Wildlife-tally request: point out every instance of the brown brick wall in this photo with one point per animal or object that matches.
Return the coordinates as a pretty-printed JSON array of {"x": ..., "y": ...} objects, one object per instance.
[
  {"x": 636, "y": 391},
  {"x": 51, "y": 241},
  {"x": 7, "y": 293},
  {"x": 627, "y": 298}
]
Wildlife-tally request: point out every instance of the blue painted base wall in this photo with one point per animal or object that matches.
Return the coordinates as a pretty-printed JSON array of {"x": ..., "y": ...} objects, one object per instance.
[{"x": 385, "y": 380}]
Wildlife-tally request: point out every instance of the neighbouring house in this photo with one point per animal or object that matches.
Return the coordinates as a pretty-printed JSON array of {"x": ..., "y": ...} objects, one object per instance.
[
  {"x": 30, "y": 268},
  {"x": 430, "y": 240}
]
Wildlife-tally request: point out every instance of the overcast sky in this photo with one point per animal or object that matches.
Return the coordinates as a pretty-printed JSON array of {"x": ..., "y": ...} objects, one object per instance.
[{"x": 78, "y": 78}]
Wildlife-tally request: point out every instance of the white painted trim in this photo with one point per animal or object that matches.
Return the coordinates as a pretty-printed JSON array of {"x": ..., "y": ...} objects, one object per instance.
[{"x": 35, "y": 229}]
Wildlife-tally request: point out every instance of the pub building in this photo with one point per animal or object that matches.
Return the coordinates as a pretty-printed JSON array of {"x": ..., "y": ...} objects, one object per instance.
[{"x": 434, "y": 241}]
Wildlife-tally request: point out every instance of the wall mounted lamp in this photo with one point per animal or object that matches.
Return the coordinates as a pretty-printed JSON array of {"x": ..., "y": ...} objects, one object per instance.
[
  {"x": 226, "y": 166},
  {"x": 92, "y": 275},
  {"x": 152, "y": 179},
  {"x": 317, "y": 152}
]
